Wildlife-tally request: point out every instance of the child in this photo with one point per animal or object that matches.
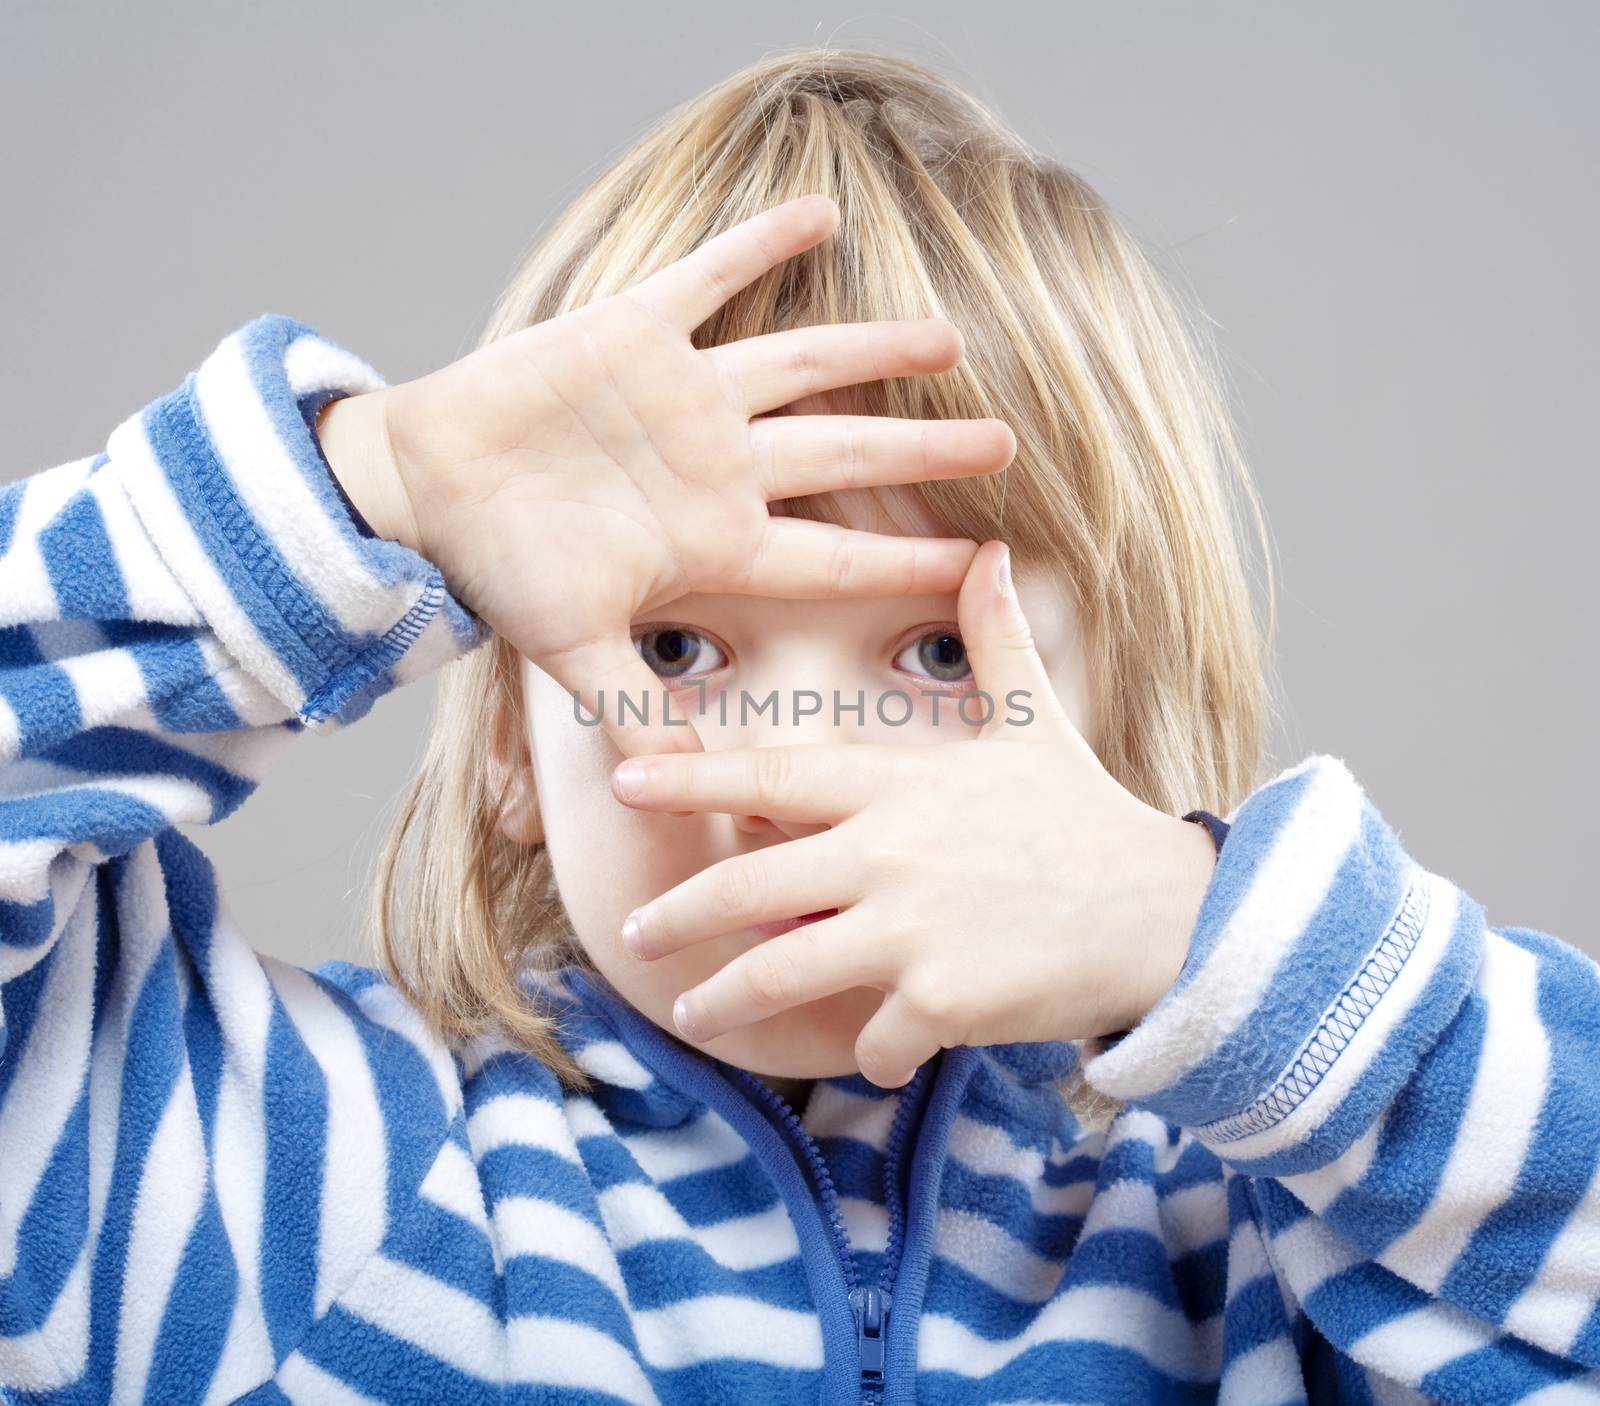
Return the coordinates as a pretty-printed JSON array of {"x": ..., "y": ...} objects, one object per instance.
[{"x": 1253, "y": 1109}]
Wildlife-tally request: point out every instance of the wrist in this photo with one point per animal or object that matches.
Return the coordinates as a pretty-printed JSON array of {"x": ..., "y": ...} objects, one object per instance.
[
  {"x": 1187, "y": 866},
  {"x": 354, "y": 439}
]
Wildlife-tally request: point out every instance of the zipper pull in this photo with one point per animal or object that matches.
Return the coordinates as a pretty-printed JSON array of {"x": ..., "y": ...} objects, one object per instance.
[{"x": 871, "y": 1308}]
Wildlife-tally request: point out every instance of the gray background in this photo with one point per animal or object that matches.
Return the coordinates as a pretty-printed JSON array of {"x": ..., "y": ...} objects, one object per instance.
[{"x": 1389, "y": 211}]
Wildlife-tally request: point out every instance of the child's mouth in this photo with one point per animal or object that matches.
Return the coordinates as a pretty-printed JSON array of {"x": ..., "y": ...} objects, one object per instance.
[{"x": 783, "y": 925}]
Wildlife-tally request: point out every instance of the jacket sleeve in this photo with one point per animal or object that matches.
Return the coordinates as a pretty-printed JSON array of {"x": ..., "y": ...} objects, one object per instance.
[
  {"x": 1407, "y": 1092},
  {"x": 196, "y": 1142}
]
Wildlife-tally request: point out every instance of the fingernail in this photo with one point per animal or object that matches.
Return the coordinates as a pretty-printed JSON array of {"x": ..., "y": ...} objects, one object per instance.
[
  {"x": 629, "y": 778},
  {"x": 630, "y": 932},
  {"x": 1004, "y": 572},
  {"x": 680, "y": 1018}
]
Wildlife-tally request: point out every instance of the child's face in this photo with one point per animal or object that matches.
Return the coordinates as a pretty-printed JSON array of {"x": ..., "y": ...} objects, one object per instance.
[{"x": 609, "y": 858}]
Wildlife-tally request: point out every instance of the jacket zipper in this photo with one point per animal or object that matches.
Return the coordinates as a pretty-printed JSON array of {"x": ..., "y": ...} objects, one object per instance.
[{"x": 869, "y": 1304}]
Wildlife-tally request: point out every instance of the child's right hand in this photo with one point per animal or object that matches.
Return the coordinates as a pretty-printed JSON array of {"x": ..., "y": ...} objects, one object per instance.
[{"x": 593, "y": 466}]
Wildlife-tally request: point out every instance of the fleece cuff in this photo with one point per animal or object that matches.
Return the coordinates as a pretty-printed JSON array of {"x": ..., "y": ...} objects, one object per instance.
[
  {"x": 1323, "y": 964},
  {"x": 230, "y": 481}
]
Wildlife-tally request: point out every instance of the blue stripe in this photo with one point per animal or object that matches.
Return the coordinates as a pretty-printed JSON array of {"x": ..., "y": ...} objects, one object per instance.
[
  {"x": 81, "y": 563},
  {"x": 39, "y": 693},
  {"x": 1505, "y": 1251},
  {"x": 1395, "y": 1062},
  {"x": 1329, "y": 951}
]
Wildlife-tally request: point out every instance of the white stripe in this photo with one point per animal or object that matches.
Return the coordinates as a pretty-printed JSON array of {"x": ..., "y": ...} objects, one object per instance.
[
  {"x": 1491, "y": 1140},
  {"x": 10, "y": 732},
  {"x": 385, "y": 1006},
  {"x": 529, "y": 1226},
  {"x": 436, "y": 1317},
  {"x": 636, "y": 1214},
  {"x": 704, "y": 1144},
  {"x": 25, "y": 868},
  {"x": 1318, "y": 1188},
  {"x": 306, "y": 1384},
  {"x": 452, "y": 1184},
  {"x": 1289, "y": 884},
  {"x": 1112, "y": 1314},
  {"x": 716, "y": 1327},
  {"x": 1310, "y": 1252},
  {"x": 246, "y": 1354},
  {"x": 56, "y": 1354},
  {"x": 108, "y": 683},
  {"x": 992, "y": 1256},
  {"x": 354, "y": 1193},
  {"x": 1371, "y": 1037},
  {"x": 145, "y": 932},
  {"x": 1268, "y": 1372},
  {"x": 1413, "y": 1344},
  {"x": 26, "y": 594},
  {"x": 613, "y": 1063},
  {"x": 166, "y": 520},
  {"x": 265, "y": 475},
  {"x": 49, "y": 1070},
  {"x": 561, "y": 1353},
  {"x": 152, "y": 591},
  {"x": 312, "y": 363},
  {"x": 1559, "y": 1301},
  {"x": 172, "y": 1184},
  {"x": 1578, "y": 1391},
  {"x": 241, "y": 998},
  {"x": 520, "y": 1120}
]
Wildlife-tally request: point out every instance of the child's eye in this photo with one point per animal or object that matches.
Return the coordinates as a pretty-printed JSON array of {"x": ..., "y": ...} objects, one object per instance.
[
  {"x": 941, "y": 653},
  {"x": 672, "y": 651}
]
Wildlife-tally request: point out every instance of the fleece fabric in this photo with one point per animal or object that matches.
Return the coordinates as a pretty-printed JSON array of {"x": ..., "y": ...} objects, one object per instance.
[{"x": 1356, "y": 1158}]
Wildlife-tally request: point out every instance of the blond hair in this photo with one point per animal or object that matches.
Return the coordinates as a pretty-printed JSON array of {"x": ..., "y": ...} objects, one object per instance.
[{"x": 1126, "y": 474}]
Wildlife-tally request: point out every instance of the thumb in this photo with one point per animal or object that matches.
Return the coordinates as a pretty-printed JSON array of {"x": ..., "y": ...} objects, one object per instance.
[
  {"x": 618, "y": 691},
  {"x": 999, "y": 644}
]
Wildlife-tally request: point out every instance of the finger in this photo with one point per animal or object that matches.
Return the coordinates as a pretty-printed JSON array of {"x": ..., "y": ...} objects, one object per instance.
[
  {"x": 895, "y": 1043},
  {"x": 787, "y": 880},
  {"x": 1000, "y": 646},
  {"x": 800, "y": 454},
  {"x": 808, "y": 781},
  {"x": 690, "y": 289},
  {"x": 612, "y": 687},
  {"x": 779, "y": 367},
  {"x": 799, "y": 559},
  {"x": 807, "y": 964}
]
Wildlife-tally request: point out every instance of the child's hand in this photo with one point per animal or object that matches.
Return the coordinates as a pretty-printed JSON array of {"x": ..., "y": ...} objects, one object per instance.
[
  {"x": 1001, "y": 889},
  {"x": 590, "y": 467}
]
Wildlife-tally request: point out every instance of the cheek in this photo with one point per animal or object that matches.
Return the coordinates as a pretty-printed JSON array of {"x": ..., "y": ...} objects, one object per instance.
[{"x": 608, "y": 858}]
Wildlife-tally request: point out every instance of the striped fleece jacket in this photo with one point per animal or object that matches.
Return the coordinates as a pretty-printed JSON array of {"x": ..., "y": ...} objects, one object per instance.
[{"x": 1355, "y": 1158}]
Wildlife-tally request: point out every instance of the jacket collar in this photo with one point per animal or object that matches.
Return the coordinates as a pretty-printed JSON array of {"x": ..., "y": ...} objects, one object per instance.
[{"x": 638, "y": 1067}]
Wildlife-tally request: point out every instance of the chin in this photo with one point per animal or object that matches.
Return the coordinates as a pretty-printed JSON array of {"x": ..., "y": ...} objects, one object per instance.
[{"x": 813, "y": 1041}]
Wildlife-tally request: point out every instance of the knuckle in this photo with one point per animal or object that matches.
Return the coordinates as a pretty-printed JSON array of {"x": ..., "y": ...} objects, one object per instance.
[
  {"x": 855, "y": 456},
  {"x": 774, "y": 982},
  {"x": 734, "y": 889},
  {"x": 712, "y": 276},
  {"x": 893, "y": 860},
  {"x": 803, "y": 364},
  {"x": 838, "y": 570},
  {"x": 930, "y": 998},
  {"x": 774, "y": 774}
]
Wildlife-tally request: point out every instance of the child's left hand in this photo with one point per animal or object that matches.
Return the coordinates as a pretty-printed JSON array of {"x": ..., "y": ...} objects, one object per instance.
[{"x": 1008, "y": 889}]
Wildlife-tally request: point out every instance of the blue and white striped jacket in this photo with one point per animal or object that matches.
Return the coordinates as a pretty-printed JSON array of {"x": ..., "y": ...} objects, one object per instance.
[{"x": 1358, "y": 1160}]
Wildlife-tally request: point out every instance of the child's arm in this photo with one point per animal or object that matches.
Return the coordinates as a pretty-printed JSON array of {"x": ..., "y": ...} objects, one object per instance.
[
  {"x": 197, "y": 1145},
  {"x": 1409, "y": 1092}
]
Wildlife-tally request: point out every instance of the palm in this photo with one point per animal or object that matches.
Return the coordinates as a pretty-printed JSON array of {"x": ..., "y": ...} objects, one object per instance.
[{"x": 569, "y": 476}]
